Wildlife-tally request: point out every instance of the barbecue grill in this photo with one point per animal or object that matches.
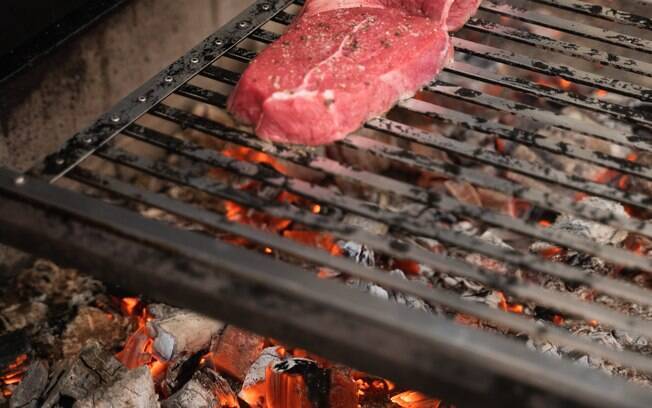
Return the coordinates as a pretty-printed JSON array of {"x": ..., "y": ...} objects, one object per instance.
[{"x": 70, "y": 209}]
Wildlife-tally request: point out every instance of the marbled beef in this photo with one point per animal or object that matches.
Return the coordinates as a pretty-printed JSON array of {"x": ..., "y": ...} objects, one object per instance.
[{"x": 341, "y": 63}]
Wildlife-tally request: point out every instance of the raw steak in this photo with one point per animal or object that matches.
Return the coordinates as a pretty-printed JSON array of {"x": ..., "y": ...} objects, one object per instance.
[
  {"x": 335, "y": 69},
  {"x": 454, "y": 13}
]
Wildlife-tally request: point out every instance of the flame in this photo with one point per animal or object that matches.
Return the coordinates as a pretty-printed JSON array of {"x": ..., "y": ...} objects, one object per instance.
[
  {"x": 138, "y": 349},
  {"x": 507, "y": 307},
  {"x": 316, "y": 209},
  {"x": 565, "y": 85},
  {"x": 13, "y": 374},
  {"x": 253, "y": 156},
  {"x": 414, "y": 399}
]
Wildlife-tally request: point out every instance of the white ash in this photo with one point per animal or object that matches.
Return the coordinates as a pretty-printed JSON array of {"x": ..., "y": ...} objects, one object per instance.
[
  {"x": 182, "y": 333},
  {"x": 360, "y": 253},
  {"x": 133, "y": 389},
  {"x": 602, "y": 234}
]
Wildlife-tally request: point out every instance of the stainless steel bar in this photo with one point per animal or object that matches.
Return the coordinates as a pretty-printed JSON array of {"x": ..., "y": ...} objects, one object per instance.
[
  {"x": 515, "y": 322},
  {"x": 569, "y": 26},
  {"x": 562, "y": 47},
  {"x": 602, "y": 12}
]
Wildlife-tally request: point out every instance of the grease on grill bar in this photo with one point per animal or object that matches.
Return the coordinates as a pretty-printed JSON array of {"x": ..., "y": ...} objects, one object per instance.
[{"x": 511, "y": 195}]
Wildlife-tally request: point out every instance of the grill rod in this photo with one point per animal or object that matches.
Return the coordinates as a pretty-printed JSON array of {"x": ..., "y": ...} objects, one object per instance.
[
  {"x": 568, "y": 26},
  {"x": 429, "y": 294},
  {"x": 544, "y": 297}
]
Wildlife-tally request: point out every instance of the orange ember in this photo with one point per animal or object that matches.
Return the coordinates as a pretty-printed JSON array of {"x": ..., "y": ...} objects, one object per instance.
[
  {"x": 558, "y": 320},
  {"x": 508, "y": 307},
  {"x": 545, "y": 223},
  {"x": 128, "y": 305},
  {"x": 409, "y": 267},
  {"x": 551, "y": 252},
  {"x": 13, "y": 374},
  {"x": 316, "y": 239},
  {"x": 253, "y": 156},
  {"x": 601, "y": 93},
  {"x": 414, "y": 399}
]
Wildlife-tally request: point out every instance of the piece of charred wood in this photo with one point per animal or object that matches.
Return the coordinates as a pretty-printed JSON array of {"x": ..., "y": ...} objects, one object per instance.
[
  {"x": 207, "y": 389},
  {"x": 78, "y": 377},
  {"x": 253, "y": 389},
  {"x": 297, "y": 382},
  {"x": 30, "y": 389},
  {"x": 13, "y": 345},
  {"x": 135, "y": 388},
  {"x": 179, "y": 372},
  {"x": 182, "y": 333},
  {"x": 235, "y": 351}
]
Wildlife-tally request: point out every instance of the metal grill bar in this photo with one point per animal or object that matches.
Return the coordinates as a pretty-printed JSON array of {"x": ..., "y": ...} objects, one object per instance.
[
  {"x": 572, "y": 27},
  {"x": 546, "y": 200},
  {"x": 562, "y": 47},
  {"x": 518, "y": 135},
  {"x": 195, "y": 152},
  {"x": 319, "y": 313},
  {"x": 527, "y": 138},
  {"x": 623, "y": 138},
  {"x": 432, "y": 295},
  {"x": 603, "y": 12},
  {"x": 548, "y": 298},
  {"x": 619, "y": 111}
]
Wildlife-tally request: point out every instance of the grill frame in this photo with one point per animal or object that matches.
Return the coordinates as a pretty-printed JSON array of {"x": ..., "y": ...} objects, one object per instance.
[{"x": 554, "y": 383}]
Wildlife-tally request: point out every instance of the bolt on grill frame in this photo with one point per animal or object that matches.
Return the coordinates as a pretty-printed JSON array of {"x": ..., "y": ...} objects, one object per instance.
[{"x": 443, "y": 359}]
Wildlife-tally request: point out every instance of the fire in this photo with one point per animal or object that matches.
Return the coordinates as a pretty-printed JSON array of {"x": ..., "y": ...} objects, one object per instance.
[
  {"x": 601, "y": 93},
  {"x": 414, "y": 399},
  {"x": 138, "y": 349},
  {"x": 253, "y": 156},
  {"x": 558, "y": 320},
  {"x": 508, "y": 307},
  {"x": 13, "y": 374}
]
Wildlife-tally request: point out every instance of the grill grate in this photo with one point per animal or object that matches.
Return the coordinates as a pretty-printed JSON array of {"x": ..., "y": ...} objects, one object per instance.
[{"x": 451, "y": 361}]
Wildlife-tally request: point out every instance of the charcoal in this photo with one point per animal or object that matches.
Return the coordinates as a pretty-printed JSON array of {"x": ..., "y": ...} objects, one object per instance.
[
  {"x": 358, "y": 252},
  {"x": 236, "y": 350},
  {"x": 93, "y": 324},
  {"x": 297, "y": 382},
  {"x": 366, "y": 224},
  {"x": 182, "y": 333},
  {"x": 29, "y": 390},
  {"x": 135, "y": 388},
  {"x": 410, "y": 301},
  {"x": 206, "y": 388},
  {"x": 22, "y": 315},
  {"x": 78, "y": 377},
  {"x": 179, "y": 372},
  {"x": 13, "y": 345},
  {"x": 253, "y": 387},
  {"x": 599, "y": 233}
]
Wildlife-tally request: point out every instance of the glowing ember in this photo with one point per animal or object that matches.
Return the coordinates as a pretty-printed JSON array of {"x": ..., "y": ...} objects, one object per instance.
[
  {"x": 12, "y": 375},
  {"x": 551, "y": 252},
  {"x": 507, "y": 307},
  {"x": 558, "y": 320},
  {"x": 407, "y": 266},
  {"x": 414, "y": 399}
]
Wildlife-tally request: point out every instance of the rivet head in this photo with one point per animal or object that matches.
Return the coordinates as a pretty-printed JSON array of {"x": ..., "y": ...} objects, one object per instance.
[
  {"x": 20, "y": 180},
  {"x": 115, "y": 118},
  {"x": 219, "y": 42},
  {"x": 243, "y": 24},
  {"x": 194, "y": 60},
  {"x": 168, "y": 79},
  {"x": 142, "y": 98},
  {"x": 266, "y": 7}
]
